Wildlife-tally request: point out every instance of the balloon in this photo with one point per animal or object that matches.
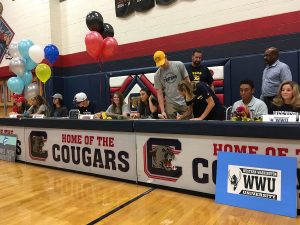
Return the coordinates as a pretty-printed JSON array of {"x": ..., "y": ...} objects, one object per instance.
[
  {"x": 94, "y": 21},
  {"x": 31, "y": 91},
  {"x": 15, "y": 84},
  {"x": 13, "y": 50},
  {"x": 36, "y": 53},
  {"x": 110, "y": 47},
  {"x": 108, "y": 30},
  {"x": 29, "y": 64},
  {"x": 43, "y": 72},
  {"x": 93, "y": 43},
  {"x": 23, "y": 47},
  {"x": 17, "y": 66},
  {"x": 51, "y": 53},
  {"x": 27, "y": 78}
]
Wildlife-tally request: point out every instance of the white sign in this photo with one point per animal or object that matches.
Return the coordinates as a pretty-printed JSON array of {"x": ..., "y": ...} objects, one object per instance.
[
  {"x": 19, "y": 132},
  {"x": 279, "y": 118},
  {"x": 256, "y": 182},
  {"x": 105, "y": 153},
  {"x": 38, "y": 116}
]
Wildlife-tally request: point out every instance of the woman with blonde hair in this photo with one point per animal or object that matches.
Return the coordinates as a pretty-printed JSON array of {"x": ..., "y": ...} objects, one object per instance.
[
  {"x": 202, "y": 102},
  {"x": 39, "y": 106},
  {"x": 287, "y": 99}
]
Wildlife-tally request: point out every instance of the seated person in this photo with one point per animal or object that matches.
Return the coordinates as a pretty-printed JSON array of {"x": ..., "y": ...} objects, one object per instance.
[
  {"x": 202, "y": 102},
  {"x": 58, "y": 109},
  {"x": 147, "y": 106},
  {"x": 15, "y": 98},
  {"x": 39, "y": 106},
  {"x": 255, "y": 105},
  {"x": 118, "y": 106},
  {"x": 287, "y": 100},
  {"x": 84, "y": 104}
]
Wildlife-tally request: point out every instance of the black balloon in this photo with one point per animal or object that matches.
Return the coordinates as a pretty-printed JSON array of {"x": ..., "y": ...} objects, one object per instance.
[
  {"x": 94, "y": 21},
  {"x": 108, "y": 31}
]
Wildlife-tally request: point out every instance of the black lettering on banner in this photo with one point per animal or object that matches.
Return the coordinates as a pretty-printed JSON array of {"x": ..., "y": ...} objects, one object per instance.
[
  {"x": 214, "y": 171},
  {"x": 75, "y": 155},
  {"x": 86, "y": 159},
  {"x": 196, "y": 177},
  {"x": 55, "y": 147},
  {"x": 98, "y": 159},
  {"x": 124, "y": 167},
  {"x": 65, "y": 154},
  {"x": 18, "y": 149},
  {"x": 110, "y": 157},
  {"x": 260, "y": 182},
  {"x": 89, "y": 157},
  {"x": 298, "y": 178}
]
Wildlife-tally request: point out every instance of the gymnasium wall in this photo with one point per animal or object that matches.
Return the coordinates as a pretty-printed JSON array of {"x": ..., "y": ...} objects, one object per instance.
[{"x": 223, "y": 29}]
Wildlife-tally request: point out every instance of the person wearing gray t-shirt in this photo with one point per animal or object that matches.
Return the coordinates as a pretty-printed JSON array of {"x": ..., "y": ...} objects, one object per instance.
[{"x": 166, "y": 79}]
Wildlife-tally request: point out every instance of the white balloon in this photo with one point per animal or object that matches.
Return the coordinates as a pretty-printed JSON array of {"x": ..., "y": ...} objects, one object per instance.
[
  {"x": 17, "y": 66},
  {"x": 31, "y": 91},
  {"x": 13, "y": 49},
  {"x": 36, "y": 53}
]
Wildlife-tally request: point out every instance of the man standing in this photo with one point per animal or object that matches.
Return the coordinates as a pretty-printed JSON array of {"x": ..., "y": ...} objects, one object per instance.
[
  {"x": 198, "y": 72},
  {"x": 166, "y": 79},
  {"x": 274, "y": 73},
  {"x": 255, "y": 105}
]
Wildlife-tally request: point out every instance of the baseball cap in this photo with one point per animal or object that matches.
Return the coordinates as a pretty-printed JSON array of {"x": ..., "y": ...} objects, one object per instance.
[
  {"x": 57, "y": 95},
  {"x": 16, "y": 96},
  {"x": 159, "y": 58},
  {"x": 80, "y": 97}
]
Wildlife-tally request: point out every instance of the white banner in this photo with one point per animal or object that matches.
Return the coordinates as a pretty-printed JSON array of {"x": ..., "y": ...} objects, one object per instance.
[
  {"x": 189, "y": 162},
  {"x": 19, "y": 131},
  {"x": 110, "y": 154}
]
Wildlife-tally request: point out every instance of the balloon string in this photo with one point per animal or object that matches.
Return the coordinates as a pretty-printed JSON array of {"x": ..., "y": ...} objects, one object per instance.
[{"x": 101, "y": 65}]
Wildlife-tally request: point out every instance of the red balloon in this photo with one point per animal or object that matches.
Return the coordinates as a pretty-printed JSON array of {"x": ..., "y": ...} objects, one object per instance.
[
  {"x": 94, "y": 44},
  {"x": 110, "y": 47}
]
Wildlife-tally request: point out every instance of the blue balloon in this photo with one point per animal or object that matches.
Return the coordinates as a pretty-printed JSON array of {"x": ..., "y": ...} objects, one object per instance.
[
  {"x": 51, "y": 53},
  {"x": 15, "y": 84},
  {"x": 23, "y": 48},
  {"x": 27, "y": 78},
  {"x": 29, "y": 64}
]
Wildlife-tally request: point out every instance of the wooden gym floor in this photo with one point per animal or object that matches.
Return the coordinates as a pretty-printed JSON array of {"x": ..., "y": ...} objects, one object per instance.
[{"x": 37, "y": 195}]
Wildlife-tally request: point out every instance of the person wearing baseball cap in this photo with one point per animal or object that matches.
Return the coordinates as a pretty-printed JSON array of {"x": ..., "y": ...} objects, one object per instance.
[
  {"x": 166, "y": 79},
  {"x": 58, "y": 108},
  {"x": 84, "y": 104}
]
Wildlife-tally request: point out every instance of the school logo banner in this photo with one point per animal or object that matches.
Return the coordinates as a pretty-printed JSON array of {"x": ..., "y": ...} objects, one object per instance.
[
  {"x": 143, "y": 5},
  {"x": 124, "y": 7}
]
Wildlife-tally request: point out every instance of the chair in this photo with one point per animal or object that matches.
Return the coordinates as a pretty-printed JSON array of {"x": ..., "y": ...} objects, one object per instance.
[{"x": 228, "y": 113}]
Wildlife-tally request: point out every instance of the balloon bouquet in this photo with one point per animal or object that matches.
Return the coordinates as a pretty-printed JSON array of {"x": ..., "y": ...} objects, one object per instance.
[
  {"x": 100, "y": 42},
  {"x": 26, "y": 57}
]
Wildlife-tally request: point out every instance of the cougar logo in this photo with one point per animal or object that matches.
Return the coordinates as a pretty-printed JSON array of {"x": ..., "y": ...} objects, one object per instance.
[
  {"x": 162, "y": 157},
  {"x": 37, "y": 141},
  {"x": 159, "y": 159},
  {"x": 234, "y": 180}
]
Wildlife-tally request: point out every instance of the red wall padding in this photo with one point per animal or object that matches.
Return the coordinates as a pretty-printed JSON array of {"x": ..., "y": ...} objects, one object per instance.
[
  {"x": 125, "y": 84},
  {"x": 221, "y": 98},
  {"x": 148, "y": 84},
  {"x": 218, "y": 83}
]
